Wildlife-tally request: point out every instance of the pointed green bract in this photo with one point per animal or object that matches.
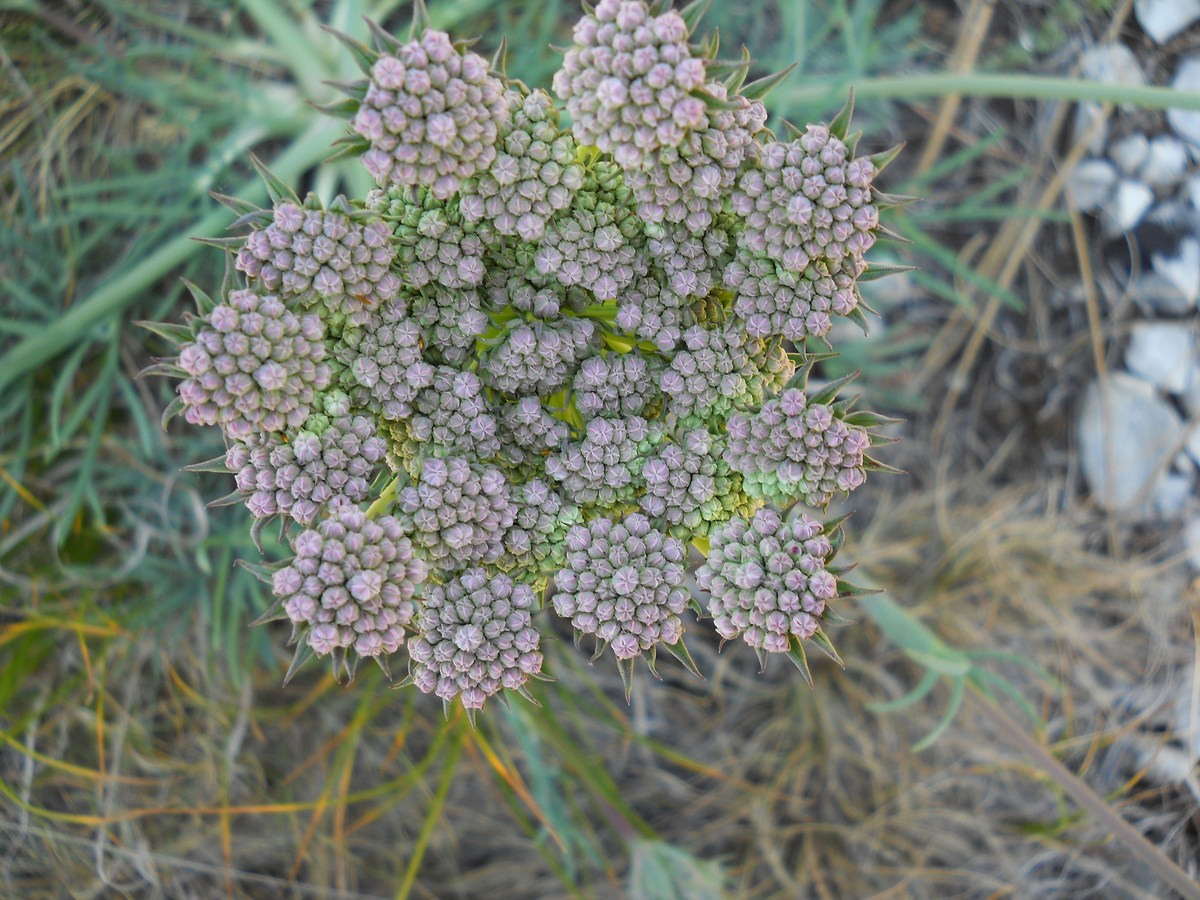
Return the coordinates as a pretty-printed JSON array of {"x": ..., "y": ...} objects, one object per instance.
[
  {"x": 796, "y": 654},
  {"x": 168, "y": 331},
  {"x": 875, "y": 271},
  {"x": 625, "y": 668},
  {"x": 759, "y": 88},
  {"x": 420, "y": 22},
  {"x": 363, "y": 56},
  {"x": 276, "y": 188},
  {"x": 693, "y": 13},
  {"x": 884, "y": 158},
  {"x": 840, "y": 126}
]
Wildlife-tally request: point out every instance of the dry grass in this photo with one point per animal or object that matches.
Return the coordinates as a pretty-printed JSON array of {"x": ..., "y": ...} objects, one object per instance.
[
  {"x": 193, "y": 789},
  {"x": 134, "y": 766}
]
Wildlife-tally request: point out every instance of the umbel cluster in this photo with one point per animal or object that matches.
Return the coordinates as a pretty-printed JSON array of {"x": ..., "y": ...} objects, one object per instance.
[{"x": 544, "y": 357}]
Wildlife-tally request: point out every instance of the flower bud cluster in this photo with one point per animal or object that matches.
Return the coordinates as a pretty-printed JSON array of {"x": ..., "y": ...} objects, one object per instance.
[
  {"x": 351, "y": 583},
  {"x": 617, "y": 384},
  {"x": 457, "y": 512},
  {"x": 431, "y": 114},
  {"x": 623, "y": 583},
  {"x": 768, "y": 579},
  {"x": 533, "y": 176},
  {"x": 452, "y": 415},
  {"x": 384, "y": 358},
  {"x": 602, "y": 468},
  {"x": 475, "y": 636},
  {"x": 717, "y": 370},
  {"x": 450, "y": 322},
  {"x": 771, "y": 300},
  {"x": 528, "y": 430},
  {"x": 689, "y": 184},
  {"x": 794, "y": 449},
  {"x": 327, "y": 255},
  {"x": 533, "y": 545},
  {"x": 298, "y": 477},
  {"x": 436, "y": 245},
  {"x": 690, "y": 263},
  {"x": 807, "y": 201},
  {"x": 528, "y": 292},
  {"x": 594, "y": 242},
  {"x": 690, "y": 487},
  {"x": 536, "y": 357},
  {"x": 629, "y": 81},
  {"x": 573, "y": 348},
  {"x": 254, "y": 366},
  {"x": 651, "y": 311}
]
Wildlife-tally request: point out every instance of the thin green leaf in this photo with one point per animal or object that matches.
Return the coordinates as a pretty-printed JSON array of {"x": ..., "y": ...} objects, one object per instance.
[{"x": 924, "y": 686}]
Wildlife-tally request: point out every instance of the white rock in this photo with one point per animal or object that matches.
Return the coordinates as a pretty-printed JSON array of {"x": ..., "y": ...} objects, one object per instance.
[
  {"x": 1089, "y": 184},
  {"x": 1127, "y": 436},
  {"x": 1165, "y": 163},
  {"x": 1090, "y": 128},
  {"x": 1173, "y": 495},
  {"x": 1192, "y": 189},
  {"x": 1156, "y": 295},
  {"x": 1111, "y": 64},
  {"x": 1108, "y": 64},
  {"x": 1167, "y": 745},
  {"x": 1163, "y": 353},
  {"x": 1130, "y": 152},
  {"x": 1163, "y": 19},
  {"x": 1192, "y": 447},
  {"x": 1128, "y": 204},
  {"x": 1186, "y": 123},
  {"x": 1191, "y": 540},
  {"x": 1182, "y": 271}
]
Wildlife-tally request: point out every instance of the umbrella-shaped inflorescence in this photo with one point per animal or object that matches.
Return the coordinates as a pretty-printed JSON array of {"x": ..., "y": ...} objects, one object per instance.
[{"x": 541, "y": 364}]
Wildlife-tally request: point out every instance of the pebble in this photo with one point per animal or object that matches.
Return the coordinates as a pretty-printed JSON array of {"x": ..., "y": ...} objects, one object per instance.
[
  {"x": 1181, "y": 270},
  {"x": 1191, "y": 541},
  {"x": 1165, "y": 162},
  {"x": 1192, "y": 446},
  {"x": 1185, "y": 122},
  {"x": 1111, "y": 64},
  {"x": 1173, "y": 495},
  {"x": 1107, "y": 64},
  {"x": 1089, "y": 184},
  {"x": 1163, "y": 19},
  {"x": 1130, "y": 201},
  {"x": 1158, "y": 296},
  {"x": 1130, "y": 152},
  {"x": 1164, "y": 354},
  {"x": 1125, "y": 468}
]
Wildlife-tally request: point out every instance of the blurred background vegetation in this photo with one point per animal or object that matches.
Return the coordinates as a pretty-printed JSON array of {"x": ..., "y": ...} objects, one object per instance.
[{"x": 146, "y": 747}]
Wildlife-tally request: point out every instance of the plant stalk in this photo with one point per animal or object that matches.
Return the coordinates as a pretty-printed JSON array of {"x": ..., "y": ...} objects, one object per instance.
[
  {"x": 1134, "y": 840},
  {"x": 999, "y": 84}
]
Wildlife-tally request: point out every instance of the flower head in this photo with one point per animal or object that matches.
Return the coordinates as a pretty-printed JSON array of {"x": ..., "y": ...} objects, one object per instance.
[
  {"x": 323, "y": 255},
  {"x": 254, "y": 367},
  {"x": 768, "y": 579},
  {"x": 475, "y": 637},
  {"x": 431, "y": 115},
  {"x": 351, "y": 583},
  {"x": 623, "y": 582}
]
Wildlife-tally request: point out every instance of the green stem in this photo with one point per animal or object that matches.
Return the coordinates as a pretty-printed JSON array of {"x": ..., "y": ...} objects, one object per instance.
[
  {"x": 308, "y": 149},
  {"x": 999, "y": 84},
  {"x": 386, "y": 496},
  {"x": 449, "y": 767}
]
